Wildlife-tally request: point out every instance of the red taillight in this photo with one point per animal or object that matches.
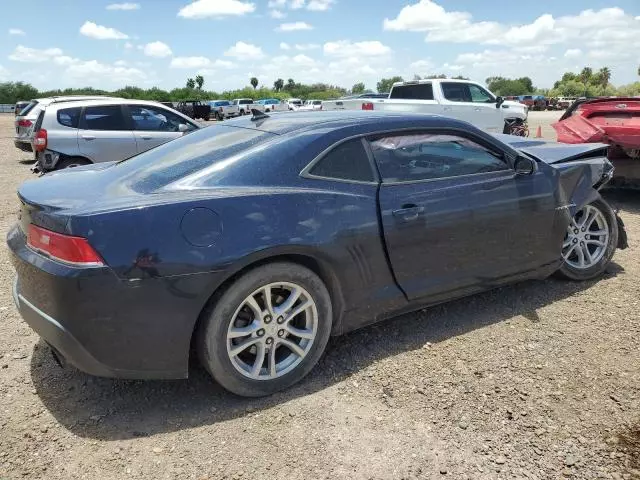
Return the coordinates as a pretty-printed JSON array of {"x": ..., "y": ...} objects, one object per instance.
[
  {"x": 25, "y": 123},
  {"x": 367, "y": 106},
  {"x": 68, "y": 249},
  {"x": 40, "y": 140}
]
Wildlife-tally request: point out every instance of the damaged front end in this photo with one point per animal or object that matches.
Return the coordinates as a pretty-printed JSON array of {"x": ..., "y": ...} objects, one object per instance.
[{"x": 613, "y": 121}]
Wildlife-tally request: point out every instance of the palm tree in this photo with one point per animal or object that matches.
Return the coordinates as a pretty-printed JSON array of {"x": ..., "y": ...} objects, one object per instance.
[
  {"x": 254, "y": 82},
  {"x": 605, "y": 75},
  {"x": 191, "y": 83},
  {"x": 199, "y": 81},
  {"x": 585, "y": 75},
  {"x": 278, "y": 84}
]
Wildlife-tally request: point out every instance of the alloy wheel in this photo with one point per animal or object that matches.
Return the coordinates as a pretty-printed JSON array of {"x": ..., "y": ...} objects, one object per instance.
[
  {"x": 587, "y": 237},
  {"x": 272, "y": 331}
]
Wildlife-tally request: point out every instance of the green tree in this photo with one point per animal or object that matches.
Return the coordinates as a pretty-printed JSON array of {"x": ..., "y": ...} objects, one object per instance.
[
  {"x": 436, "y": 75},
  {"x": 460, "y": 77},
  {"x": 291, "y": 84},
  {"x": 585, "y": 75},
  {"x": 191, "y": 83},
  {"x": 254, "y": 82},
  {"x": 199, "y": 81},
  {"x": 358, "y": 88},
  {"x": 510, "y": 86},
  {"x": 385, "y": 84},
  {"x": 12, "y": 92},
  {"x": 278, "y": 85},
  {"x": 605, "y": 75}
]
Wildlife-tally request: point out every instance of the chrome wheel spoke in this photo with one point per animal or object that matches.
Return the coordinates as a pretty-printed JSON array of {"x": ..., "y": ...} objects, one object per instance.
[
  {"x": 294, "y": 347},
  {"x": 300, "y": 333},
  {"x": 299, "y": 309},
  {"x": 238, "y": 332},
  {"x": 587, "y": 254},
  {"x": 598, "y": 243},
  {"x": 567, "y": 254},
  {"x": 598, "y": 233},
  {"x": 266, "y": 292},
  {"x": 257, "y": 364},
  {"x": 587, "y": 238},
  {"x": 242, "y": 346},
  {"x": 289, "y": 302},
  {"x": 253, "y": 305},
  {"x": 567, "y": 243},
  {"x": 272, "y": 362}
]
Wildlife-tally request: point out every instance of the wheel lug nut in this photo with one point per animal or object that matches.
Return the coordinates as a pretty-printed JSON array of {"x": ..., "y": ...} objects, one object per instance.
[
  {"x": 269, "y": 341},
  {"x": 280, "y": 319},
  {"x": 260, "y": 332},
  {"x": 575, "y": 240},
  {"x": 583, "y": 229},
  {"x": 576, "y": 231},
  {"x": 267, "y": 319},
  {"x": 281, "y": 333}
]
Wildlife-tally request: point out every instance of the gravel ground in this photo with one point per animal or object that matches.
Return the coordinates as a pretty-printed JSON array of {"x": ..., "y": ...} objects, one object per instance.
[{"x": 540, "y": 380}]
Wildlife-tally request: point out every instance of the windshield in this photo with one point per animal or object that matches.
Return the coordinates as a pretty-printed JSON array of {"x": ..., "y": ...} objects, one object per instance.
[{"x": 186, "y": 155}]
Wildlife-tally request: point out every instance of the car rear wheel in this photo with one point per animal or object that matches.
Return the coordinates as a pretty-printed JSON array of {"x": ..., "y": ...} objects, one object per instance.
[
  {"x": 267, "y": 330},
  {"x": 590, "y": 242},
  {"x": 207, "y": 117}
]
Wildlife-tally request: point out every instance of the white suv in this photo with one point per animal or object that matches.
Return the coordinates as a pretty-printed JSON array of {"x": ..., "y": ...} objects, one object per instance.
[{"x": 79, "y": 133}]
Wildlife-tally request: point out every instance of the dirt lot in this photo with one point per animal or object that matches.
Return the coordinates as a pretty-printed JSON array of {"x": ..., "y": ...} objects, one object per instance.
[{"x": 539, "y": 380}]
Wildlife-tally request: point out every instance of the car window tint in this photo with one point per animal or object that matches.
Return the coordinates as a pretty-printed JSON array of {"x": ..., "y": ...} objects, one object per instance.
[
  {"x": 456, "y": 92},
  {"x": 28, "y": 108},
  {"x": 480, "y": 95},
  {"x": 69, "y": 117},
  {"x": 155, "y": 119},
  {"x": 104, "y": 117},
  {"x": 347, "y": 161},
  {"x": 418, "y": 91},
  {"x": 425, "y": 156}
]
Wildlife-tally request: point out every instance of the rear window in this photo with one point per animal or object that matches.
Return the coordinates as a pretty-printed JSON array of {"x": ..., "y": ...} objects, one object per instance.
[
  {"x": 213, "y": 148},
  {"x": 418, "y": 91},
  {"x": 69, "y": 117},
  {"x": 347, "y": 161},
  {"x": 28, "y": 108},
  {"x": 245, "y": 102}
]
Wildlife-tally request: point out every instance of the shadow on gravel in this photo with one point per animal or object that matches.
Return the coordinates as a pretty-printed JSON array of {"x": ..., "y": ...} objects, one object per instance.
[
  {"x": 116, "y": 409},
  {"x": 29, "y": 161},
  {"x": 629, "y": 443},
  {"x": 626, "y": 200}
]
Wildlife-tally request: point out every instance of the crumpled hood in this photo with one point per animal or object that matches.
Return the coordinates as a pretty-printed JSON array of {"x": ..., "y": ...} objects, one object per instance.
[{"x": 554, "y": 152}]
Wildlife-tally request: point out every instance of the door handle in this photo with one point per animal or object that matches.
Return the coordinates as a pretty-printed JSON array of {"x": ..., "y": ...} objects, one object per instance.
[
  {"x": 408, "y": 212},
  {"x": 89, "y": 137},
  {"x": 145, "y": 137}
]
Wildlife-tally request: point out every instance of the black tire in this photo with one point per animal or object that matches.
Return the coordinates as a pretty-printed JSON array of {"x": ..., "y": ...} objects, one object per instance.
[
  {"x": 212, "y": 334},
  {"x": 242, "y": 112},
  {"x": 569, "y": 272},
  {"x": 207, "y": 117},
  {"x": 267, "y": 111},
  {"x": 70, "y": 162}
]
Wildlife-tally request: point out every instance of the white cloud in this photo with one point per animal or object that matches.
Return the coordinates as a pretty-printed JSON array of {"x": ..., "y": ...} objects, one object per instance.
[
  {"x": 344, "y": 48},
  {"x": 33, "y": 55},
  {"x": 277, "y": 3},
  {"x": 128, "y": 45},
  {"x": 123, "y": 6},
  {"x": 65, "y": 60},
  {"x": 121, "y": 63},
  {"x": 115, "y": 74},
  {"x": 16, "y": 31},
  {"x": 242, "y": 50},
  {"x": 453, "y": 67},
  {"x": 295, "y": 26},
  {"x": 190, "y": 62},
  {"x": 306, "y": 46},
  {"x": 573, "y": 53},
  {"x": 303, "y": 60},
  {"x": 157, "y": 49},
  {"x": 277, "y": 14},
  {"x": 296, "y": 4},
  {"x": 215, "y": 8},
  {"x": 320, "y": 5},
  {"x": 285, "y": 46},
  {"x": 421, "y": 65},
  {"x": 99, "y": 32}
]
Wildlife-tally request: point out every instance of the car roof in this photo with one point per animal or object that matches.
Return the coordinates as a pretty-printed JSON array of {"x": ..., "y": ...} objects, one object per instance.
[
  {"x": 282, "y": 123},
  {"x": 106, "y": 101}
]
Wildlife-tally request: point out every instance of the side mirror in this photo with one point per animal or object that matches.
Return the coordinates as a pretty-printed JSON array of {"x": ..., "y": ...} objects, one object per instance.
[
  {"x": 525, "y": 165},
  {"x": 183, "y": 127},
  {"x": 499, "y": 101}
]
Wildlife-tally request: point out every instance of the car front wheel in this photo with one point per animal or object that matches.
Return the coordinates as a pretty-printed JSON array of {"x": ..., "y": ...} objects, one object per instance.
[
  {"x": 267, "y": 330},
  {"x": 590, "y": 242}
]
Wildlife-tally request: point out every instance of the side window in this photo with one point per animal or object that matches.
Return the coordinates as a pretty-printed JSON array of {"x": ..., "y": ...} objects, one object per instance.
[
  {"x": 480, "y": 95},
  {"x": 69, "y": 117},
  {"x": 347, "y": 161},
  {"x": 415, "y": 91},
  {"x": 456, "y": 92},
  {"x": 426, "y": 156},
  {"x": 155, "y": 119},
  {"x": 104, "y": 117}
]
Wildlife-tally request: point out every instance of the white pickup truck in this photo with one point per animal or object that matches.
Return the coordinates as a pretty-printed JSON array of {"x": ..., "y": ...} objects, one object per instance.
[
  {"x": 221, "y": 109},
  {"x": 245, "y": 105},
  {"x": 461, "y": 99}
]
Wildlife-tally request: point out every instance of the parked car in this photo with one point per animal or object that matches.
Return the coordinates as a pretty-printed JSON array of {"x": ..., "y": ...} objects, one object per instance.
[
  {"x": 294, "y": 104},
  {"x": 169, "y": 104},
  {"x": 195, "y": 109},
  {"x": 72, "y": 134},
  {"x": 26, "y": 120},
  {"x": 222, "y": 109},
  {"x": 245, "y": 105},
  {"x": 273, "y": 105},
  {"x": 19, "y": 107},
  {"x": 255, "y": 240},
  {"x": 461, "y": 99},
  {"x": 312, "y": 105}
]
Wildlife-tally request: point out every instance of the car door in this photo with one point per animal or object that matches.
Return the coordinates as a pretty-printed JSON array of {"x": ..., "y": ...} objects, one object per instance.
[
  {"x": 105, "y": 135},
  {"x": 153, "y": 126},
  {"x": 473, "y": 104},
  {"x": 455, "y": 215}
]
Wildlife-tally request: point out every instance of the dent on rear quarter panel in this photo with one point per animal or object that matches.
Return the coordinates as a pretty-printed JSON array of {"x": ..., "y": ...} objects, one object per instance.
[{"x": 576, "y": 182}]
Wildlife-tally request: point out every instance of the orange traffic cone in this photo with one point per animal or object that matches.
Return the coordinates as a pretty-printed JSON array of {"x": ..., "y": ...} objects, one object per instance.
[{"x": 539, "y": 132}]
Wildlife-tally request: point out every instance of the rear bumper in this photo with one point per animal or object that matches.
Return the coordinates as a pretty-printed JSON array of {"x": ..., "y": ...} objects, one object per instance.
[
  {"x": 58, "y": 337},
  {"x": 23, "y": 145}
]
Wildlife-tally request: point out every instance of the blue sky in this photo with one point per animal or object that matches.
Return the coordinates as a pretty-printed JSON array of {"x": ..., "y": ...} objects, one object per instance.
[{"x": 162, "y": 42}]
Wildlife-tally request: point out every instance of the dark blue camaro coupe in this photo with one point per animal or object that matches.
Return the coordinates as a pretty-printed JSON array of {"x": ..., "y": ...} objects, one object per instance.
[{"x": 257, "y": 239}]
